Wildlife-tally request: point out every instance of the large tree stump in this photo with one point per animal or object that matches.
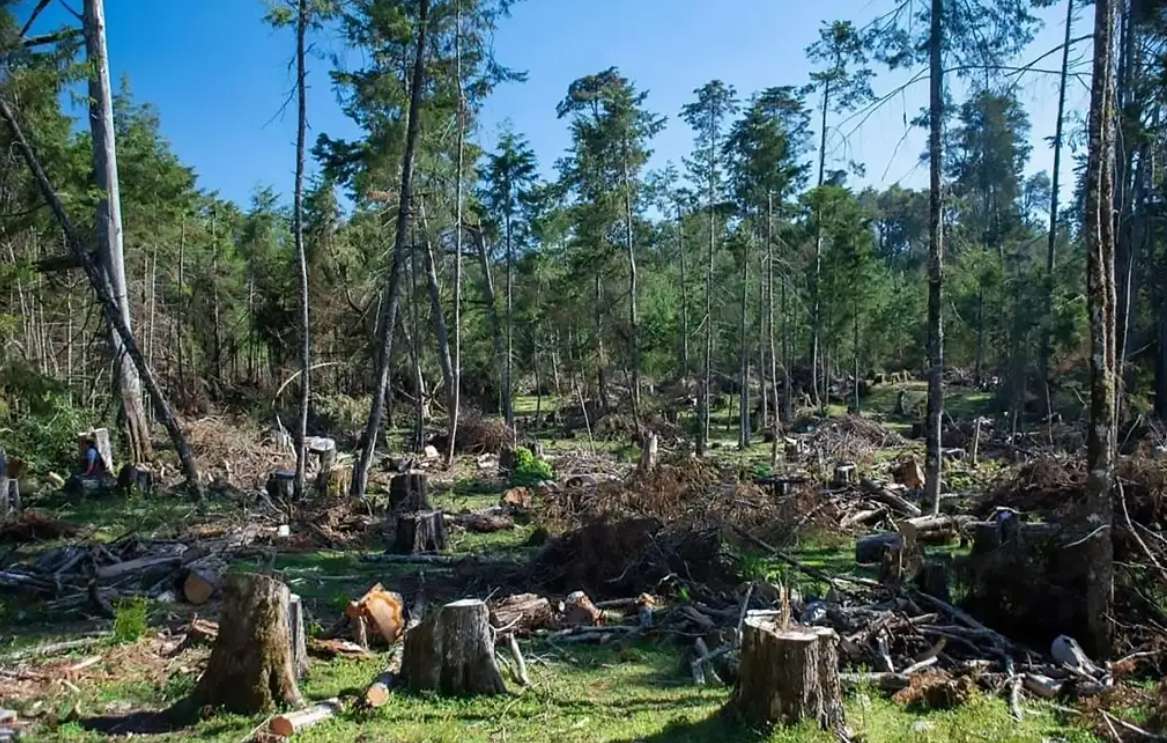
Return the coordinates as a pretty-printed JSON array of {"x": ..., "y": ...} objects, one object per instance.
[
  {"x": 452, "y": 652},
  {"x": 252, "y": 668},
  {"x": 421, "y": 531},
  {"x": 407, "y": 492},
  {"x": 324, "y": 449},
  {"x": 281, "y": 485},
  {"x": 788, "y": 676}
]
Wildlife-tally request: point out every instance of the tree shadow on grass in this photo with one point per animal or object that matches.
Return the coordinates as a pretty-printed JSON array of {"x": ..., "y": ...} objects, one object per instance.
[
  {"x": 719, "y": 726},
  {"x": 146, "y": 722}
]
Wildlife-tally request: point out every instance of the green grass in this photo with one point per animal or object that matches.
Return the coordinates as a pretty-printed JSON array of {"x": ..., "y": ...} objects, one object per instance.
[{"x": 610, "y": 693}]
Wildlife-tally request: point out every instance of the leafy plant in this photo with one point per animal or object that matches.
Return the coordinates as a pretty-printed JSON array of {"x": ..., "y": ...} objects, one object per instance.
[
  {"x": 130, "y": 618},
  {"x": 530, "y": 469}
]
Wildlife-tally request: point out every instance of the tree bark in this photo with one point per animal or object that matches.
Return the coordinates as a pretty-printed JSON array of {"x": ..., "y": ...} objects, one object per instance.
[
  {"x": 439, "y": 318},
  {"x": 252, "y": 668},
  {"x": 684, "y": 293},
  {"x": 452, "y": 652},
  {"x": 404, "y": 216},
  {"x": 816, "y": 300},
  {"x": 301, "y": 257},
  {"x": 743, "y": 437},
  {"x": 456, "y": 361},
  {"x": 633, "y": 319},
  {"x": 109, "y": 227},
  {"x": 491, "y": 306},
  {"x": 1101, "y": 299},
  {"x": 105, "y": 298},
  {"x": 935, "y": 261},
  {"x": 789, "y": 675}
]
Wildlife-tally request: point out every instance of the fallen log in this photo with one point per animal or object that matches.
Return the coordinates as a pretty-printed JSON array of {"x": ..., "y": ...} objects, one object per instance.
[
  {"x": 522, "y": 613},
  {"x": 888, "y": 497},
  {"x": 377, "y": 693},
  {"x": 289, "y": 724}
]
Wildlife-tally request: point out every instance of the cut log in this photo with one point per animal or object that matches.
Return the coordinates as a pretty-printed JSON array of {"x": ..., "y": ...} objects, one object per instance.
[
  {"x": 579, "y": 611},
  {"x": 377, "y": 693},
  {"x": 485, "y": 522},
  {"x": 846, "y": 474},
  {"x": 516, "y": 499},
  {"x": 383, "y": 610},
  {"x": 201, "y": 583},
  {"x": 119, "y": 569},
  {"x": 521, "y": 613},
  {"x": 420, "y": 532},
  {"x": 909, "y": 474},
  {"x": 291, "y": 723},
  {"x": 452, "y": 651},
  {"x": 935, "y": 529},
  {"x": 297, "y": 636},
  {"x": 865, "y": 516},
  {"x": 878, "y": 491},
  {"x": 408, "y": 492},
  {"x": 251, "y": 668},
  {"x": 788, "y": 676}
]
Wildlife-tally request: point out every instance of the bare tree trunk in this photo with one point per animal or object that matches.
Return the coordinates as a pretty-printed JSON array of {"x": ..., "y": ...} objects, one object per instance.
[
  {"x": 816, "y": 301},
  {"x": 456, "y": 361},
  {"x": 1101, "y": 297},
  {"x": 1046, "y": 348},
  {"x": 389, "y": 307},
  {"x": 633, "y": 319},
  {"x": 684, "y": 293},
  {"x": 439, "y": 318},
  {"x": 508, "y": 388},
  {"x": 301, "y": 257},
  {"x": 109, "y": 221},
  {"x": 703, "y": 437},
  {"x": 491, "y": 305},
  {"x": 105, "y": 298},
  {"x": 601, "y": 354},
  {"x": 743, "y": 438},
  {"x": 935, "y": 262},
  {"x": 779, "y": 402},
  {"x": 413, "y": 338}
]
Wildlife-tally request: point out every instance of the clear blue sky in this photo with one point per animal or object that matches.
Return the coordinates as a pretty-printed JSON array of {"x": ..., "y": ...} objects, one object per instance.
[{"x": 218, "y": 76}]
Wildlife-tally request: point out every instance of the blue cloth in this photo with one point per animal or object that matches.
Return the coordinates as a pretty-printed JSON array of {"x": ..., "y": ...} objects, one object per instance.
[{"x": 91, "y": 455}]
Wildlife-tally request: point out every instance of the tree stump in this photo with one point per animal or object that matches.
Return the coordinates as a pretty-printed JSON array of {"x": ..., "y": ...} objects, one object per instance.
[
  {"x": 846, "y": 474},
  {"x": 421, "y": 531},
  {"x": 407, "y": 492},
  {"x": 788, "y": 676},
  {"x": 252, "y": 668},
  {"x": 297, "y": 636},
  {"x": 871, "y": 548},
  {"x": 281, "y": 485},
  {"x": 324, "y": 449},
  {"x": 452, "y": 652},
  {"x": 136, "y": 478},
  {"x": 648, "y": 453}
]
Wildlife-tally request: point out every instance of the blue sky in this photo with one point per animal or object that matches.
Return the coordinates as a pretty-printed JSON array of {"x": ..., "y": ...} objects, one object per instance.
[{"x": 218, "y": 76}]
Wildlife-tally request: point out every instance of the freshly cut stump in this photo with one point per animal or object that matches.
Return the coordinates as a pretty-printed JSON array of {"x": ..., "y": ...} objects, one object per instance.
[
  {"x": 421, "y": 531},
  {"x": 452, "y": 652},
  {"x": 788, "y": 676},
  {"x": 251, "y": 669}
]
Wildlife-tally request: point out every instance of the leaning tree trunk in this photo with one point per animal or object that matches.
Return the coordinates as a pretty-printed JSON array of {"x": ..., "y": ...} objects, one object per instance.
[
  {"x": 105, "y": 298},
  {"x": 388, "y": 319},
  {"x": 1101, "y": 299},
  {"x": 301, "y": 258},
  {"x": 935, "y": 262},
  {"x": 252, "y": 668},
  {"x": 452, "y": 652},
  {"x": 109, "y": 222}
]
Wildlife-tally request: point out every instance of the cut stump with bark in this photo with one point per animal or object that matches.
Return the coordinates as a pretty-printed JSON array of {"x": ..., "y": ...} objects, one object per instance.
[
  {"x": 201, "y": 582},
  {"x": 252, "y": 668},
  {"x": 452, "y": 652},
  {"x": 408, "y": 492},
  {"x": 846, "y": 474},
  {"x": 789, "y": 675},
  {"x": 420, "y": 532}
]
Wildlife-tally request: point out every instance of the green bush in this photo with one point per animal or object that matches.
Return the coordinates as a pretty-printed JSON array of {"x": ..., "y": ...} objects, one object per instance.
[
  {"x": 129, "y": 619},
  {"x": 38, "y": 423},
  {"x": 529, "y": 469}
]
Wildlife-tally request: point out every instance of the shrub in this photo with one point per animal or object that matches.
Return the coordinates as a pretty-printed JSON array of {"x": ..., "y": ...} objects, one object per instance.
[
  {"x": 529, "y": 469},
  {"x": 129, "y": 619}
]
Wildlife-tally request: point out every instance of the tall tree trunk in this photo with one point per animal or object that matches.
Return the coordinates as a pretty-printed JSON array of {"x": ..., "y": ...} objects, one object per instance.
[
  {"x": 1101, "y": 298},
  {"x": 780, "y": 403},
  {"x": 684, "y": 293},
  {"x": 109, "y": 226},
  {"x": 413, "y": 338},
  {"x": 601, "y": 354},
  {"x": 1046, "y": 346},
  {"x": 816, "y": 300},
  {"x": 765, "y": 392},
  {"x": 633, "y": 319},
  {"x": 855, "y": 370},
  {"x": 935, "y": 261},
  {"x": 456, "y": 388},
  {"x": 400, "y": 240},
  {"x": 491, "y": 304},
  {"x": 508, "y": 386},
  {"x": 105, "y": 297},
  {"x": 301, "y": 257},
  {"x": 439, "y": 317},
  {"x": 743, "y": 436},
  {"x": 707, "y": 372}
]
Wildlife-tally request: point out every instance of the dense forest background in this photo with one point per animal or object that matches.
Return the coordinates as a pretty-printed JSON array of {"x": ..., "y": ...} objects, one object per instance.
[{"x": 753, "y": 264}]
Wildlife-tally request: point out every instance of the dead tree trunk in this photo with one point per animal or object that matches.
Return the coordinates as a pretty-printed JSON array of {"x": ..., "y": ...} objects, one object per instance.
[
  {"x": 935, "y": 261},
  {"x": 452, "y": 652},
  {"x": 788, "y": 676},
  {"x": 109, "y": 221},
  {"x": 388, "y": 319},
  {"x": 252, "y": 668},
  {"x": 302, "y": 20}
]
